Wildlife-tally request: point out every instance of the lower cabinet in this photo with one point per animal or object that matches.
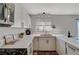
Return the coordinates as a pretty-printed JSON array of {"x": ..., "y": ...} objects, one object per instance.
[
  {"x": 60, "y": 46},
  {"x": 36, "y": 43},
  {"x": 71, "y": 50},
  {"x": 19, "y": 51},
  {"x": 30, "y": 49},
  {"x": 44, "y": 43}
]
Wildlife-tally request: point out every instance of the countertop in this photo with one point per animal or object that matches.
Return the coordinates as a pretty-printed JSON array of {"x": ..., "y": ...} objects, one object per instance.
[
  {"x": 73, "y": 40},
  {"x": 24, "y": 43},
  {"x": 21, "y": 43}
]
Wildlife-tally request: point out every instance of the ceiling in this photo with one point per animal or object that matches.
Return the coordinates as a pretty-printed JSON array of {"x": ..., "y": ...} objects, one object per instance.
[{"x": 52, "y": 8}]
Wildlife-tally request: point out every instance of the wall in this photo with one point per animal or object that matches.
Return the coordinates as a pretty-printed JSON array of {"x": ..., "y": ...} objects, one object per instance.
[
  {"x": 16, "y": 27},
  {"x": 63, "y": 23},
  {"x": 17, "y": 17},
  {"x": 25, "y": 17},
  {"x": 22, "y": 19}
]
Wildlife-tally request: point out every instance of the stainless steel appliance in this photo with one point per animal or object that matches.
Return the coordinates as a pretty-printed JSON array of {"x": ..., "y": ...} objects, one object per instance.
[{"x": 6, "y": 14}]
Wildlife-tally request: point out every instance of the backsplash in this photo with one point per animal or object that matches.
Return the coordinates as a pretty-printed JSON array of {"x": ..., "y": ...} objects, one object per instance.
[
  {"x": 63, "y": 23},
  {"x": 9, "y": 31}
]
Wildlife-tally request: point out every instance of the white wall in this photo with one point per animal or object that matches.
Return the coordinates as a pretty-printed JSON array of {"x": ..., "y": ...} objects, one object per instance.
[
  {"x": 21, "y": 16},
  {"x": 63, "y": 23},
  {"x": 17, "y": 17},
  {"x": 25, "y": 17}
]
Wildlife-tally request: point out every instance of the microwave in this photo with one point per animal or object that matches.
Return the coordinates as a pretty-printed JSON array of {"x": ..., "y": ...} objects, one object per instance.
[{"x": 7, "y": 13}]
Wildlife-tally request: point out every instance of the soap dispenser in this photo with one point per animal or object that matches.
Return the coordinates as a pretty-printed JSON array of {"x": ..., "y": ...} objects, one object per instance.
[{"x": 69, "y": 34}]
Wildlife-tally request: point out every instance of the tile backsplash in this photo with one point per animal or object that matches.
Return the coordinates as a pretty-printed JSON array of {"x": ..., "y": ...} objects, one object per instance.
[{"x": 9, "y": 30}]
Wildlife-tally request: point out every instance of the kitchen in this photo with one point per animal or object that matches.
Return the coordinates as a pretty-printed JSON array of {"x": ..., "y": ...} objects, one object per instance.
[{"x": 36, "y": 28}]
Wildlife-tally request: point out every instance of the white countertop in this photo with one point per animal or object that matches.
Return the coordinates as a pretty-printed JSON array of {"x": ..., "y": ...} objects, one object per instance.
[
  {"x": 21, "y": 43},
  {"x": 24, "y": 43},
  {"x": 73, "y": 41}
]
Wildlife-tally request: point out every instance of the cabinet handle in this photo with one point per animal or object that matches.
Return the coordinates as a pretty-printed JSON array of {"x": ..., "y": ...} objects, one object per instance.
[{"x": 47, "y": 41}]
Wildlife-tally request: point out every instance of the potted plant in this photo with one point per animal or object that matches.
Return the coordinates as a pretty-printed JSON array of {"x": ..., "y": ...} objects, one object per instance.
[{"x": 21, "y": 35}]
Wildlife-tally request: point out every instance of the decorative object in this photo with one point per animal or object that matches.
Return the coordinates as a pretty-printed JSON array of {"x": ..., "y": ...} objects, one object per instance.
[
  {"x": 28, "y": 31},
  {"x": 69, "y": 34},
  {"x": 21, "y": 35}
]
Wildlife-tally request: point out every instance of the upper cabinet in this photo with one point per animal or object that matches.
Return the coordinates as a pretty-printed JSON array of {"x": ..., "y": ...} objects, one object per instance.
[{"x": 21, "y": 19}]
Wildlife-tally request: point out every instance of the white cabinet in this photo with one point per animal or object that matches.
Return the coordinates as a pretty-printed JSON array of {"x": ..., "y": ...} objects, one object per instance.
[
  {"x": 60, "y": 46},
  {"x": 30, "y": 49},
  {"x": 71, "y": 50},
  {"x": 44, "y": 43},
  {"x": 36, "y": 43}
]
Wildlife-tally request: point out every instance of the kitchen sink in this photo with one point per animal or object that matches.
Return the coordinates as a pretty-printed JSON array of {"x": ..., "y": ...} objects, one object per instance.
[{"x": 46, "y": 35}]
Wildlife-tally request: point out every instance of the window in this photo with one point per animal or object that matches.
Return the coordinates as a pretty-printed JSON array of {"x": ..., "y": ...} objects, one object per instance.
[
  {"x": 43, "y": 26},
  {"x": 78, "y": 27}
]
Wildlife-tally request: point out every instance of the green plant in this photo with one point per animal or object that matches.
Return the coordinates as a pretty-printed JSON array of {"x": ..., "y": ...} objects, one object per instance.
[{"x": 21, "y": 33}]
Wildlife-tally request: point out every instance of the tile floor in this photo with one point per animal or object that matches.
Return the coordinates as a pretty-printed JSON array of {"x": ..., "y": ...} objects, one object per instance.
[{"x": 45, "y": 53}]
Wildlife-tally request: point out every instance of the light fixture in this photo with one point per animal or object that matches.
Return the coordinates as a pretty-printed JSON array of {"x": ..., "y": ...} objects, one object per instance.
[
  {"x": 53, "y": 26},
  {"x": 44, "y": 13}
]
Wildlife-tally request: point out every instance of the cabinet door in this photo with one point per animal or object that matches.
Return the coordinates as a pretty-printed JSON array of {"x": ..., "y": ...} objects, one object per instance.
[
  {"x": 71, "y": 50},
  {"x": 51, "y": 45},
  {"x": 43, "y": 44},
  {"x": 47, "y": 44},
  {"x": 30, "y": 49},
  {"x": 60, "y": 46},
  {"x": 36, "y": 43},
  {"x": 77, "y": 51}
]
